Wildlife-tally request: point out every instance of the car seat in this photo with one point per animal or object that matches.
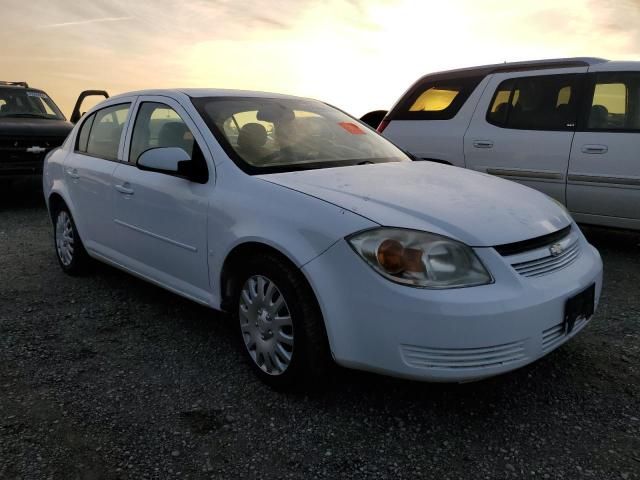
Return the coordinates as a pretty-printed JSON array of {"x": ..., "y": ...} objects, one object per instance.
[
  {"x": 176, "y": 134},
  {"x": 599, "y": 117},
  {"x": 251, "y": 140}
]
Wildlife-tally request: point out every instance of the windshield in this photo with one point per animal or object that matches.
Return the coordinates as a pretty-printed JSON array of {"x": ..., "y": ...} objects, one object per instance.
[
  {"x": 18, "y": 102},
  {"x": 265, "y": 135}
]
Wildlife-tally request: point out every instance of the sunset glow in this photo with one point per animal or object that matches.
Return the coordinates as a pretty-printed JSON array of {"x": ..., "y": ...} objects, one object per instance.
[{"x": 358, "y": 55}]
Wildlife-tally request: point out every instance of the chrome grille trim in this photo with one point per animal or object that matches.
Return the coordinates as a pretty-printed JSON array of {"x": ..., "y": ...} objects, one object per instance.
[
  {"x": 540, "y": 261},
  {"x": 549, "y": 264}
]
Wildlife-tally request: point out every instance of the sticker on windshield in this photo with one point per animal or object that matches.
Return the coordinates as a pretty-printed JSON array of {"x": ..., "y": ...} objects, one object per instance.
[
  {"x": 352, "y": 128},
  {"x": 37, "y": 94}
]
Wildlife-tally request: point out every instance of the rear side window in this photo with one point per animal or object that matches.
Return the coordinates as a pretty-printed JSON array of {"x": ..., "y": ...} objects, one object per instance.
[
  {"x": 434, "y": 99},
  {"x": 83, "y": 136},
  {"x": 106, "y": 131},
  {"x": 546, "y": 102},
  {"x": 615, "y": 102}
]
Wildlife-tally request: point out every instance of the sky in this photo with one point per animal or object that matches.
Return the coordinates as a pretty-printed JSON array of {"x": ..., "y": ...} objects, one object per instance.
[{"x": 359, "y": 55}]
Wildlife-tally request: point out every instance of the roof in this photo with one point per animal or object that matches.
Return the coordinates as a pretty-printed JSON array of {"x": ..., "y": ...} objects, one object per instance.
[
  {"x": 4, "y": 83},
  {"x": 206, "y": 92},
  {"x": 485, "y": 70}
]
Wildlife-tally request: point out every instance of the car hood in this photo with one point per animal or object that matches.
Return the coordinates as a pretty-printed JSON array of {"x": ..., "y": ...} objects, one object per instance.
[
  {"x": 475, "y": 208},
  {"x": 40, "y": 127}
]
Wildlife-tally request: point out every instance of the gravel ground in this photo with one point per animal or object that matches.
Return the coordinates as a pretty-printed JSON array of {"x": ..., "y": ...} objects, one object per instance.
[{"x": 107, "y": 377}]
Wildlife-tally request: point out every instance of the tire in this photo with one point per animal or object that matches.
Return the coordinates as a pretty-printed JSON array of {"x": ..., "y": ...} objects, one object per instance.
[
  {"x": 70, "y": 251},
  {"x": 284, "y": 354}
]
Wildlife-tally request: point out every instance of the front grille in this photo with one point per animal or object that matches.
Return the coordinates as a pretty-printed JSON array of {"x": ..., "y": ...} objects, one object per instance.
[
  {"x": 543, "y": 255},
  {"x": 552, "y": 337},
  {"x": 15, "y": 159},
  {"x": 527, "y": 245},
  {"x": 463, "y": 358},
  {"x": 549, "y": 263},
  {"x": 20, "y": 144}
]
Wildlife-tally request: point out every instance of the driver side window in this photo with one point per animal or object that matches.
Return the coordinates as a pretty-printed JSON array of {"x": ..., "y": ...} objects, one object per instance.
[{"x": 158, "y": 125}]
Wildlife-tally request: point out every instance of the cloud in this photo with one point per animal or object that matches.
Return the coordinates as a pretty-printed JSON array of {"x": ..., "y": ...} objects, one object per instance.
[
  {"x": 86, "y": 22},
  {"x": 357, "y": 54}
]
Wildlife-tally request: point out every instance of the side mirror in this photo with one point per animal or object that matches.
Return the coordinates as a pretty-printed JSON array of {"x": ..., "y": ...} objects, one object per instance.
[
  {"x": 163, "y": 160},
  {"x": 374, "y": 118}
]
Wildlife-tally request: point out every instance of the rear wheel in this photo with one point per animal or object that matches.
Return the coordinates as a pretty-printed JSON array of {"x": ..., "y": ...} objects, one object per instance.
[
  {"x": 71, "y": 254},
  {"x": 280, "y": 324}
]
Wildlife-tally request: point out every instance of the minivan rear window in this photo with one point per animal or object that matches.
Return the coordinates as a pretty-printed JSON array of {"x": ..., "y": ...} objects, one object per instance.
[{"x": 434, "y": 99}]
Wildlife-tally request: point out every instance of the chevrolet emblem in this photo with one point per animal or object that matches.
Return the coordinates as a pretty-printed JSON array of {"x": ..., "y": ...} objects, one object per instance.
[
  {"x": 35, "y": 149},
  {"x": 556, "y": 249}
]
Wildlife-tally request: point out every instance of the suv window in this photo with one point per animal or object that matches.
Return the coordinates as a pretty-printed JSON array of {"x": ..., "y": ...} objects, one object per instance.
[
  {"x": 535, "y": 103},
  {"x": 433, "y": 99},
  {"x": 19, "y": 102},
  {"x": 106, "y": 130},
  {"x": 615, "y": 102},
  {"x": 158, "y": 125}
]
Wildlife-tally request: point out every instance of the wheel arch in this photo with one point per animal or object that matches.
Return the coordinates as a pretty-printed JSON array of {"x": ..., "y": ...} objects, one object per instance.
[
  {"x": 55, "y": 202},
  {"x": 234, "y": 260},
  {"x": 230, "y": 278},
  {"x": 58, "y": 199}
]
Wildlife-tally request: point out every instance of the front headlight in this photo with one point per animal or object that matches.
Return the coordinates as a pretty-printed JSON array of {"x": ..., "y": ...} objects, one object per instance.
[{"x": 420, "y": 259}]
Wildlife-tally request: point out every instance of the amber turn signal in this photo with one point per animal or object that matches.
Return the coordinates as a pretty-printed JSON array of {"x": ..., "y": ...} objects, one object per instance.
[{"x": 394, "y": 258}]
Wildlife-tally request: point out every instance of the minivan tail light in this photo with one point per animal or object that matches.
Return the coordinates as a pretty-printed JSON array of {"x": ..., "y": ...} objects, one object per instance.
[{"x": 382, "y": 126}]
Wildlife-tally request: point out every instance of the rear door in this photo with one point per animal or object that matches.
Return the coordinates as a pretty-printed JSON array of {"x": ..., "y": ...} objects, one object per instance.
[
  {"x": 523, "y": 127},
  {"x": 160, "y": 220},
  {"x": 604, "y": 171},
  {"x": 88, "y": 170}
]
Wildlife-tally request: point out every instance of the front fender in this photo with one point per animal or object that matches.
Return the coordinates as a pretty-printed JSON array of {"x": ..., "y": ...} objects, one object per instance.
[{"x": 297, "y": 225}]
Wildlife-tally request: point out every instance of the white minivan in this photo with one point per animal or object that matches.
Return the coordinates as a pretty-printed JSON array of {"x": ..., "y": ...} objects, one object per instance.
[{"x": 569, "y": 128}]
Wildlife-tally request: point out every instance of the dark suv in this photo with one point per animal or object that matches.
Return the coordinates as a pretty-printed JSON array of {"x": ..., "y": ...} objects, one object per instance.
[{"x": 30, "y": 126}]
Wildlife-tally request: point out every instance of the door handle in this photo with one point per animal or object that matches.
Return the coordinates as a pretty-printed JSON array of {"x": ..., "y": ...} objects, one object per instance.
[
  {"x": 73, "y": 173},
  {"x": 483, "y": 143},
  {"x": 595, "y": 149},
  {"x": 124, "y": 189}
]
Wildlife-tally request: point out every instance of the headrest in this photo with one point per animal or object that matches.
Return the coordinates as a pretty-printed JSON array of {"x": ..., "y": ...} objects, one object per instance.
[
  {"x": 275, "y": 113},
  {"x": 252, "y": 135}
]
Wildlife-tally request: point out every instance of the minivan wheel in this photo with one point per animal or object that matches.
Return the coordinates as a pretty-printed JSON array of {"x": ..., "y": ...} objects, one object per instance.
[
  {"x": 280, "y": 324},
  {"x": 71, "y": 254}
]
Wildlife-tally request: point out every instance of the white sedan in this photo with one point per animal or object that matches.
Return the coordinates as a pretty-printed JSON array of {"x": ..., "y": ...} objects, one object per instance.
[{"x": 321, "y": 238}]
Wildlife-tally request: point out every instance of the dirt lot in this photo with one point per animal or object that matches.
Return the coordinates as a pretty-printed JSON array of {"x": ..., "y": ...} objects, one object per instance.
[{"x": 108, "y": 377}]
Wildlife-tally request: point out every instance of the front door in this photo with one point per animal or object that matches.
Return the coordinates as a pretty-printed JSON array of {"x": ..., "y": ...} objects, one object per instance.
[
  {"x": 604, "y": 170},
  {"x": 160, "y": 220},
  {"x": 523, "y": 127}
]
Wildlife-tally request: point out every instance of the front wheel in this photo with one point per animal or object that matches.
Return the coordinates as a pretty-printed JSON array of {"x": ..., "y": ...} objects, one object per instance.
[
  {"x": 281, "y": 324},
  {"x": 71, "y": 254}
]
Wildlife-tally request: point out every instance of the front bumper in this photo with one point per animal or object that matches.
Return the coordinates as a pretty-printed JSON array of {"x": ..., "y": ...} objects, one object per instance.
[{"x": 446, "y": 335}]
